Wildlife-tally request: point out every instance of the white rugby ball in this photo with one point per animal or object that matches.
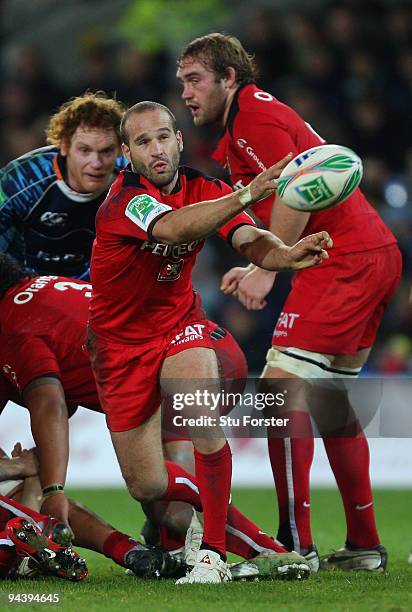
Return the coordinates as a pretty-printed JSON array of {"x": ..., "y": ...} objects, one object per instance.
[{"x": 320, "y": 177}]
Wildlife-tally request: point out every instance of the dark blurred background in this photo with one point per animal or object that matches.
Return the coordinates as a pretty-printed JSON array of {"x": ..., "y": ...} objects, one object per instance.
[{"x": 345, "y": 66}]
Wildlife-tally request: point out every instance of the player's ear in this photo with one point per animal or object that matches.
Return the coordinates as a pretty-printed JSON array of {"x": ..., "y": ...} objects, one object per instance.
[
  {"x": 230, "y": 77},
  {"x": 179, "y": 138},
  {"x": 64, "y": 147},
  {"x": 126, "y": 151}
]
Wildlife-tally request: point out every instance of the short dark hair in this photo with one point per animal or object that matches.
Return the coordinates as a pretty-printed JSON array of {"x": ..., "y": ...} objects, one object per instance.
[
  {"x": 220, "y": 51},
  {"x": 11, "y": 273},
  {"x": 144, "y": 107}
]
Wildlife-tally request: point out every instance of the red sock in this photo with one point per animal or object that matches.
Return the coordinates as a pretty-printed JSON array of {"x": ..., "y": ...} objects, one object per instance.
[
  {"x": 291, "y": 460},
  {"x": 244, "y": 538},
  {"x": 182, "y": 486},
  {"x": 170, "y": 542},
  {"x": 214, "y": 474},
  {"x": 349, "y": 460},
  {"x": 117, "y": 545},
  {"x": 9, "y": 508}
]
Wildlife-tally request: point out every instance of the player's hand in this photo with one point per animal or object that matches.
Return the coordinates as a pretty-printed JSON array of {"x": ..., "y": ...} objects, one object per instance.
[
  {"x": 254, "y": 287},
  {"x": 27, "y": 460},
  {"x": 232, "y": 278},
  {"x": 265, "y": 183},
  {"x": 309, "y": 251},
  {"x": 57, "y": 506}
]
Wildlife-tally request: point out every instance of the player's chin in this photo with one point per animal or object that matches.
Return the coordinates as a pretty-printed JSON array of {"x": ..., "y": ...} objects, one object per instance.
[{"x": 92, "y": 185}]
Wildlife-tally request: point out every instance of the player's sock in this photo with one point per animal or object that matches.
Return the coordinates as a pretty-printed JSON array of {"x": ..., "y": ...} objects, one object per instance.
[
  {"x": 170, "y": 542},
  {"x": 349, "y": 460},
  {"x": 245, "y": 539},
  {"x": 117, "y": 545},
  {"x": 291, "y": 460},
  {"x": 214, "y": 474},
  {"x": 182, "y": 486},
  {"x": 12, "y": 507}
]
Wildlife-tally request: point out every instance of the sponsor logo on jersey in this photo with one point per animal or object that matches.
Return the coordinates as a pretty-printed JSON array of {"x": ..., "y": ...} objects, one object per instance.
[
  {"x": 287, "y": 319},
  {"x": 170, "y": 250},
  {"x": 243, "y": 144},
  {"x": 170, "y": 270},
  {"x": 53, "y": 219},
  {"x": 191, "y": 332},
  {"x": 264, "y": 96},
  {"x": 25, "y": 296},
  {"x": 143, "y": 209}
]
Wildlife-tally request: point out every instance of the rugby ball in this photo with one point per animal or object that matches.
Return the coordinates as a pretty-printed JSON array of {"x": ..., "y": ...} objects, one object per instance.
[{"x": 320, "y": 177}]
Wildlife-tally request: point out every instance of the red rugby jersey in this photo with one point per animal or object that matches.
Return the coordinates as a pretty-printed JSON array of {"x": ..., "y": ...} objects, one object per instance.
[
  {"x": 43, "y": 327},
  {"x": 141, "y": 288},
  {"x": 260, "y": 131}
]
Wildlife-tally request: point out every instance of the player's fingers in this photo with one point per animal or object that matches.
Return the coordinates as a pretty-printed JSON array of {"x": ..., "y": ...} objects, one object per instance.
[
  {"x": 257, "y": 304},
  {"x": 277, "y": 168},
  {"x": 323, "y": 239},
  {"x": 16, "y": 450},
  {"x": 229, "y": 287}
]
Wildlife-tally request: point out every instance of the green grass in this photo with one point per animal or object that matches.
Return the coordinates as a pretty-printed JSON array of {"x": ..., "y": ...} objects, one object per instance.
[{"x": 107, "y": 588}]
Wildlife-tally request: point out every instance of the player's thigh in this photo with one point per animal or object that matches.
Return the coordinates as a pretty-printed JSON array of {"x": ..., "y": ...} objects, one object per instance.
[
  {"x": 140, "y": 454},
  {"x": 356, "y": 361},
  {"x": 197, "y": 363}
]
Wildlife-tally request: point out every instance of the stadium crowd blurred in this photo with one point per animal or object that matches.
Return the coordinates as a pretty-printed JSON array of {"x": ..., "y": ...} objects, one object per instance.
[{"x": 346, "y": 69}]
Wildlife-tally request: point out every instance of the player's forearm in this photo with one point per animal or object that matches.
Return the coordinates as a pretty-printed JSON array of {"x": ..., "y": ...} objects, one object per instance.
[
  {"x": 50, "y": 429},
  {"x": 262, "y": 248},
  {"x": 286, "y": 223},
  {"x": 199, "y": 220}
]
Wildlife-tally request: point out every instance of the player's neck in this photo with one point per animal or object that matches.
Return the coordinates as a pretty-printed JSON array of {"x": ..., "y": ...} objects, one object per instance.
[
  {"x": 228, "y": 104},
  {"x": 166, "y": 189}
]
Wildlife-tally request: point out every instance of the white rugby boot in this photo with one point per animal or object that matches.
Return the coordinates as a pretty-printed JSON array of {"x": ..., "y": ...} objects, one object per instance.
[{"x": 208, "y": 568}]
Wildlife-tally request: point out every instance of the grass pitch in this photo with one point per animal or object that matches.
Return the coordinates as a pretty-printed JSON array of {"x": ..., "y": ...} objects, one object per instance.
[{"x": 108, "y": 588}]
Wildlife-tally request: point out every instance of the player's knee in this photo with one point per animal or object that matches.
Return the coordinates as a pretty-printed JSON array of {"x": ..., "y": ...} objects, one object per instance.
[{"x": 144, "y": 492}]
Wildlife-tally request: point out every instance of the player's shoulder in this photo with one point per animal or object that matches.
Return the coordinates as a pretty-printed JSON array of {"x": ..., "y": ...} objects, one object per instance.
[
  {"x": 39, "y": 159},
  {"x": 32, "y": 168},
  {"x": 252, "y": 105},
  {"x": 195, "y": 177}
]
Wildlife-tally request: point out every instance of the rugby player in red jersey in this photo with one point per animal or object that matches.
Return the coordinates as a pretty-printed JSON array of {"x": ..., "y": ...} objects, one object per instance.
[
  {"x": 43, "y": 327},
  {"x": 149, "y": 231},
  {"x": 331, "y": 316}
]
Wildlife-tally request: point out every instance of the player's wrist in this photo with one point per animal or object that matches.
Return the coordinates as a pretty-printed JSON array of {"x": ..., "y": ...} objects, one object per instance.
[
  {"x": 245, "y": 196},
  {"x": 56, "y": 488}
]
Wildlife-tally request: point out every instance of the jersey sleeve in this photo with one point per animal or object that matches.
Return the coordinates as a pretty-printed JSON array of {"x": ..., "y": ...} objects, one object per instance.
[
  {"x": 25, "y": 358},
  {"x": 226, "y": 231},
  {"x": 143, "y": 211}
]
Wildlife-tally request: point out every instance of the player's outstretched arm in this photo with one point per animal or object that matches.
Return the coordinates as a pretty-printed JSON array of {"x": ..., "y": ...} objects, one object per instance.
[
  {"x": 46, "y": 402},
  {"x": 269, "y": 252},
  {"x": 199, "y": 220}
]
